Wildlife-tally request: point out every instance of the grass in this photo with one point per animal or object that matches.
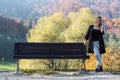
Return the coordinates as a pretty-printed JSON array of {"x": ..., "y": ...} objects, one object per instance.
[{"x": 7, "y": 65}]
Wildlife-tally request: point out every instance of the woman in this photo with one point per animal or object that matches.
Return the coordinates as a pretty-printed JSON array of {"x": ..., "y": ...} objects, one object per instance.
[{"x": 96, "y": 43}]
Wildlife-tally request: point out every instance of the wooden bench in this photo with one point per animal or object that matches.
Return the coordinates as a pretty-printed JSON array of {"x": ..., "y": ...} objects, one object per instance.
[{"x": 49, "y": 51}]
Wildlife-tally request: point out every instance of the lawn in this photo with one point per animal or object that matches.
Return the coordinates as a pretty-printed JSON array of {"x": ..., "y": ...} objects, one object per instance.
[{"x": 7, "y": 65}]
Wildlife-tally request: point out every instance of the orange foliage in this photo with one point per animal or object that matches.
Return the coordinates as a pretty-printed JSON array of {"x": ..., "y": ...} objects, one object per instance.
[
  {"x": 110, "y": 60},
  {"x": 91, "y": 63},
  {"x": 116, "y": 22}
]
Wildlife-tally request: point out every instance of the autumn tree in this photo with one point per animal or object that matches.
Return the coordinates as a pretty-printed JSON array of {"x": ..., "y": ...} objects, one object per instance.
[
  {"x": 80, "y": 23},
  {"x": 48, "y": 29},
  {"x": 60, "y": 28}
]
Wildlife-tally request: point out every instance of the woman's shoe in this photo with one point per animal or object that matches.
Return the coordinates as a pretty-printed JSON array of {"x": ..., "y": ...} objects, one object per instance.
[
  {"x": 101, "y": 68},
  {"x": 97, "y": 70}
]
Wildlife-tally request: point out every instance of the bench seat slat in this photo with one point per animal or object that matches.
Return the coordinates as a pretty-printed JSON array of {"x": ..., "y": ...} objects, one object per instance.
[
  {"x": 51, "y": 57},
  {"x": 49, "y": 50}
]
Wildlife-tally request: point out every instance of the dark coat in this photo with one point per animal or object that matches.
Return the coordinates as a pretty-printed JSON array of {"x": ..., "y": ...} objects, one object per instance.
[{"x": 90, "y": 45}]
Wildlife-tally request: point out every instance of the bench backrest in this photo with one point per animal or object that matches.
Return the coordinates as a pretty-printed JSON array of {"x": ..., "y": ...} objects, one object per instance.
[{"x": 49, "y": 50}]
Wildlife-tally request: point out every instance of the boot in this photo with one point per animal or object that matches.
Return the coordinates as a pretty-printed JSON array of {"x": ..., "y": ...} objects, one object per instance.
[
  {"x": 97, "y": 69},
  {"x": 101, "y": 68}
]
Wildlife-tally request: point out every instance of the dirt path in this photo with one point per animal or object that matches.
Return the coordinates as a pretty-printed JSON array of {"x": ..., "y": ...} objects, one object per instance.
[{"x": 61, "y": 76}]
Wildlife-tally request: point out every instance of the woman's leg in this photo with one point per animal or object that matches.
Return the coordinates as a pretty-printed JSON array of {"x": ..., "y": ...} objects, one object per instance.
[{"x": 96, "y": 50}]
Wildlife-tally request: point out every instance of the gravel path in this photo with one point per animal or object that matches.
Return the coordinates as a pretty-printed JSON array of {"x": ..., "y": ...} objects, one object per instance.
[{"x": 61, "y": 76}]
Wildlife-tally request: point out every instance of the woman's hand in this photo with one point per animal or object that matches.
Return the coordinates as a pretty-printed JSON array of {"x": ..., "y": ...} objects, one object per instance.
[
  {"x": 102, "y": 26},
  {"x": 85, "y": 42}
]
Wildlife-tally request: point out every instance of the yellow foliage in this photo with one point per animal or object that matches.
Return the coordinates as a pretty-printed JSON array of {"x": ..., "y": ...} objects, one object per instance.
[
  {"x": 48, "y": 29},
  {"x": 80, "y": 23},
  {"x": 35, "y": 64}
]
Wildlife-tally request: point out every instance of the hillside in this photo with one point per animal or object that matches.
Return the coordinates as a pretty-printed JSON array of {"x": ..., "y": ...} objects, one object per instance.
[
  {"x": 11, "y": 31},
  {"x": 30, "y": 11},
  {"x": 12, "y": 27},
  {"x": 33, "y": 9}
]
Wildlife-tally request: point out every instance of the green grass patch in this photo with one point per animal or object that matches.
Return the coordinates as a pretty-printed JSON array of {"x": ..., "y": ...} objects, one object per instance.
[
  {"x": 46, "y": 72},
  {"x": 7, "y": 65},
  {"x": 28, "y": 71}
]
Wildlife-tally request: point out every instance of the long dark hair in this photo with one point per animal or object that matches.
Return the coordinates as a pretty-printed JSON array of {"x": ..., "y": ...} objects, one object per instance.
[{"x": 99, "y": 17}]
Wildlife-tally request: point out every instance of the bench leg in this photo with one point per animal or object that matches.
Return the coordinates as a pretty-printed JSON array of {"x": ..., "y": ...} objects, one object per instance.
[
  {"x": 52, "y": 63},
  {"x": 80, "y": 66},
  {"x": 84, "y": 65},
  {"x": 17, "y": 67},
  {"x": 83, "y": 70}
]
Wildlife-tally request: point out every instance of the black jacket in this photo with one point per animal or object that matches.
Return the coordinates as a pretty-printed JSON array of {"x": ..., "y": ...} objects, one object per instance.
[{"x": 90, "y": 45}]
